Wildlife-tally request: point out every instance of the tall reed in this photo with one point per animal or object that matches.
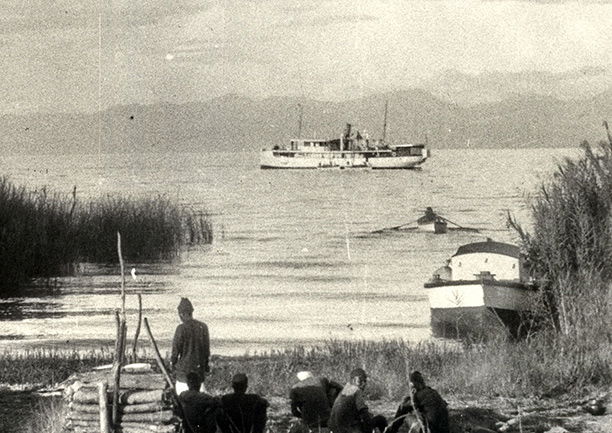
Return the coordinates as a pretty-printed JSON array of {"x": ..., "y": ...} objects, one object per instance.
[
  {"x": 45, "y": 235},
  {"x": 569, "y": 250}
]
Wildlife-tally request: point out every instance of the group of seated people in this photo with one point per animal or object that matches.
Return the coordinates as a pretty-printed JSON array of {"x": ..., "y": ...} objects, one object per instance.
[{"x": 320, "y": 406}]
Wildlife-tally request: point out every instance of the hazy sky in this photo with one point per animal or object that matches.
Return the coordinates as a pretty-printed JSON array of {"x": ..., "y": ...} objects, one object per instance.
[{"x": 61, "y": 55}]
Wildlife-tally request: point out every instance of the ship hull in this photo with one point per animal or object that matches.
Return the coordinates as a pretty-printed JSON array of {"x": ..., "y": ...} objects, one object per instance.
[
  {"x": 270, "y": 159},
  {"x": 479, "y": 309}
]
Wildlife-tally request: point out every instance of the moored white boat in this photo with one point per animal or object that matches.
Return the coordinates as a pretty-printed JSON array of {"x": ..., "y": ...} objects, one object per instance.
[
  {"x": 483, "y": 288},
  {"x": 348, "y": 151},
  {"x": 311, "y": 154}
]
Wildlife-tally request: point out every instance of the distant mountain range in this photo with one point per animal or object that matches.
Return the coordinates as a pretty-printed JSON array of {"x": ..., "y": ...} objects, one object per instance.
[{"x": 236, "y": 123}]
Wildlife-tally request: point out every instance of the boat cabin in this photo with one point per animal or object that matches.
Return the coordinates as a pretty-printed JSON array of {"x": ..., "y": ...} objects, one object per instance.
[
  {"x": 409, "y": 149},
  {"x": 310, "y": 144},
  {"x": 488, "y": 260}
]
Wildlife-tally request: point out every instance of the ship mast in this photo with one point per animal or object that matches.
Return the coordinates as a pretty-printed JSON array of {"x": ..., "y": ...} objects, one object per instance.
[
  {"x": 300, "y": 120},
  {"x": 384, "y": 134}
]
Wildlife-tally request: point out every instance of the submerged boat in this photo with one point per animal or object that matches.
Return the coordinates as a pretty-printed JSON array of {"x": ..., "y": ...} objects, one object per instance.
[{"x": 483, "y": 288}]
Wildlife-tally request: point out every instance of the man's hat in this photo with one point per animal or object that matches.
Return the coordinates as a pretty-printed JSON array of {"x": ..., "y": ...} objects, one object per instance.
[
  {"x": 240, "y": 379},
  {"x": 185, "y": 306}
]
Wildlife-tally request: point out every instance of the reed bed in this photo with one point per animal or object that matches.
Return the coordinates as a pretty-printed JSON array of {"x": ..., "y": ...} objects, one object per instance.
[
  {"x": 46, "y": 235},
  {"x": 48, "y": 366},
  {"x": 569, "y": 250}
]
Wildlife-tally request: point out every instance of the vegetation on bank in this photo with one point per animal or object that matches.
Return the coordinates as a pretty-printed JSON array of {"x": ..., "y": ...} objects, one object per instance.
[
  {"x": 569, "y": 250},
  {"x": 45, "y": 235}
]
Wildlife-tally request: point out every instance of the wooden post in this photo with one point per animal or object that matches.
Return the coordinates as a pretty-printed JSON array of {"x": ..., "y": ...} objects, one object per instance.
[
  {"x": 120, "y": 344},
  {"x": 137, "y": 334},
  {"x": 102, "y": 400},
  {"x": 162, "y": 367}
]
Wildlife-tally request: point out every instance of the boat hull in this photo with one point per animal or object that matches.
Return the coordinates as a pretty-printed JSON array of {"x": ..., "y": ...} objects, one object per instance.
[
  {"x": 270, "y": 159},
  {"x": 395, "y": 162},
  {"x": 437, "y": 227},
  {"x": 479, "y": 309}
]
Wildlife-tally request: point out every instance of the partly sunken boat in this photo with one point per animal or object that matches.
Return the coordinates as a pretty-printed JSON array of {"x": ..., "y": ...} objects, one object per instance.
[
  {"x": 350, "y": 150},
  {"x": 483, "y": 288}
]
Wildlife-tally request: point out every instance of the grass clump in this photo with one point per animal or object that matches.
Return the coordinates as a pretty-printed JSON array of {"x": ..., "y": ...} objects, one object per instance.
[
  {"x": 45, "y": 235},
  {"x": 48, "y": 366}
]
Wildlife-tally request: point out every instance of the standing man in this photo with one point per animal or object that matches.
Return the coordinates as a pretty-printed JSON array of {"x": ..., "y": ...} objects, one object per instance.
[
  {"x": 350, "y": 414},
  {"x": 242, "y": 412},
  {"x": 190, "y": 348}
]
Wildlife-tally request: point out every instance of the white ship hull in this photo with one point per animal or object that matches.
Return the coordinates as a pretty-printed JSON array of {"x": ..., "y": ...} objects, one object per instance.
[
  {"x": 479, "y": 308},
  {"x": 270, "y": 159}
]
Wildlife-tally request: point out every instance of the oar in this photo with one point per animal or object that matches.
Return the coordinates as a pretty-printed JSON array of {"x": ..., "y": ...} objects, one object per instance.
[
  {"x": 393, "y": 228},
  {"x": 459, "y": 226}
]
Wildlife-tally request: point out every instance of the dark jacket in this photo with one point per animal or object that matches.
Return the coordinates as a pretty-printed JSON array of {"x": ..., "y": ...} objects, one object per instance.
[
  {"x": 430, "y": 405},
  {"x": 200, "y": 410},
  {"x": 243, "y": 413},
  {"x": 312, "y": 399},
  {"x": 190, "y": 349},
  {"x": 350, "y": 414}
]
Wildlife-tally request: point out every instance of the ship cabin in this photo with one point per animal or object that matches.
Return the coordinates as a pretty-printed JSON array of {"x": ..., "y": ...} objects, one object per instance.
[
  {"x": 484, "y": 260},
  {"x": 409, "y": 149},
  {"x": 309, "y": 145}
]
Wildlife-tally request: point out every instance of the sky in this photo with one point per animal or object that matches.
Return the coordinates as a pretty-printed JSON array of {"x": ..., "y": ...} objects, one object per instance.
[{"x": 83, "y": 55}]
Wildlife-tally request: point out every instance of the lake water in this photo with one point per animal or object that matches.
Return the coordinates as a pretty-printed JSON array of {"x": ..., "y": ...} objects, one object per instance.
[{"x": 292, "y": 261}]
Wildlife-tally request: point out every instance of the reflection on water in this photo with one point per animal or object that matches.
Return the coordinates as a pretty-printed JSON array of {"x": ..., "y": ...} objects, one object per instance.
[{"x": 22, "y": 309}]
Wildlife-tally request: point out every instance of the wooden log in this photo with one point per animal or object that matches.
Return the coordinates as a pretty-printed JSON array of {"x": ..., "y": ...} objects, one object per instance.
[
  {"x": 155, "y": 406},
  {"x": 90, "y": 396},
  {"x": 149, "y": 428},
  {"x": 142, "y": 397},
  {"x": 143, "y": 428},
  {"x": 128, "y": 380},
  {"x": 144, "y": 407},
  {"x": 163, "y": 416},
  {"x": 85, "y": 408}
]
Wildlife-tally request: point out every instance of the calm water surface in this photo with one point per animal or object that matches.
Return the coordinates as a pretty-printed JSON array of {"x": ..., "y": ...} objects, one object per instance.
[{"x": 292, "y": 261}]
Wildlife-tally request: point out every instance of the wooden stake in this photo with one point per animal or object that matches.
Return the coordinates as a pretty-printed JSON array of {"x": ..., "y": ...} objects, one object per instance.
[
  {"x": 120, "y": 344},
  {"x": 162, "y": 367},
  {"x": 102, "y": 401},
  {"x": 137, "y": 334},
  {"x": 122, "y": 275}
]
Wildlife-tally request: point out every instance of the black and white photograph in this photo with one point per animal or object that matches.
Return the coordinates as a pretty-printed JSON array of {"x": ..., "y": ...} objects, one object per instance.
[{"x": 306, "y": 216}]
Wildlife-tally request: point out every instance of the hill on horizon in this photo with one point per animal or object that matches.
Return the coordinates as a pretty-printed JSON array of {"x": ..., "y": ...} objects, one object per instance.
[{"x": 235, "y": 123}]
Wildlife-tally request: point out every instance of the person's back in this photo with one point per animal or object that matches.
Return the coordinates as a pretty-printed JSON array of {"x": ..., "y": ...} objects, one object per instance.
[
  {"x": 190, "y": 347},
  {"x": 200, "y": 410},
  {"x": 350, "y": 414},
  {"x": 348, "y": 410},
  {"x": 242, "y": 412},
  {"x": 434, "y": 408},
  {"x": 310, "y": 402},
  {"x": 431, "y": 409}
]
